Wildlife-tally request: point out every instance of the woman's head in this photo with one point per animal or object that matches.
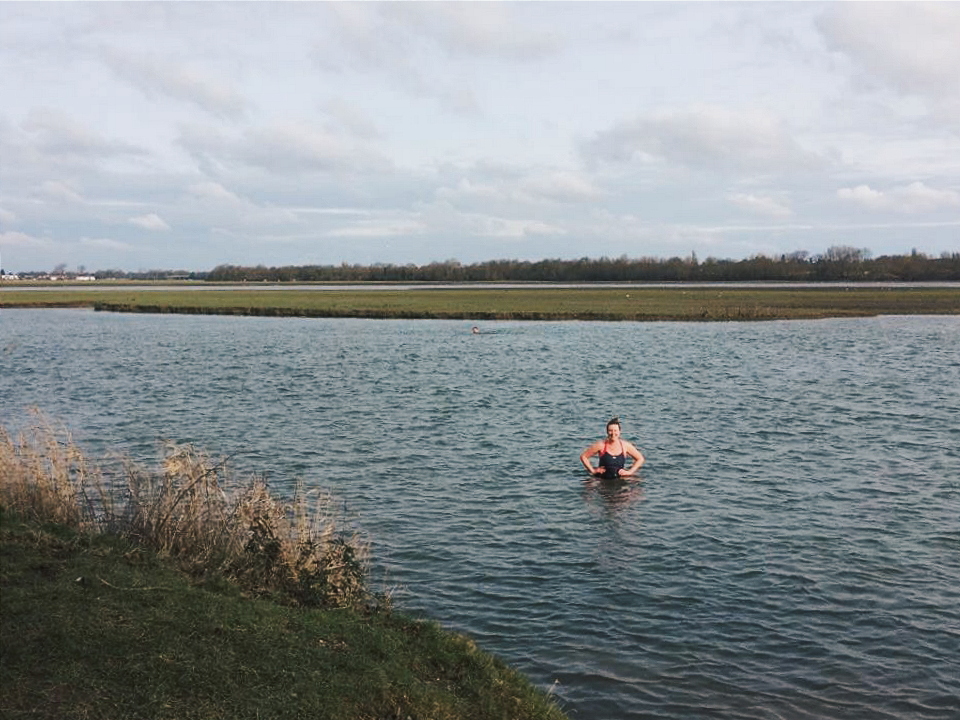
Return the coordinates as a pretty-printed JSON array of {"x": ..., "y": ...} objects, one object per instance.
[{"x": 613, "y": 427}]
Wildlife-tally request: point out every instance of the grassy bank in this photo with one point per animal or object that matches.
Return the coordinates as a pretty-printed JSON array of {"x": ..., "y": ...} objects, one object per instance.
[
  {"x": 108, "y": 614},
  {"x": 541, "y": 303}
]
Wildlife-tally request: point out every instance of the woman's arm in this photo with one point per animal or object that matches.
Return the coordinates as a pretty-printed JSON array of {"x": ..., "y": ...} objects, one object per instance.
[
  {"x": 638, "y": 460},
  {"x": 589, "y": 453}
]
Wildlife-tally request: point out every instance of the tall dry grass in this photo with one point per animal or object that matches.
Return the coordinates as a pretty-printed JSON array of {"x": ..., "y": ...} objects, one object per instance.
[
  {"x": 194, "y": 510},
  {"x": 45, "y": 477}
]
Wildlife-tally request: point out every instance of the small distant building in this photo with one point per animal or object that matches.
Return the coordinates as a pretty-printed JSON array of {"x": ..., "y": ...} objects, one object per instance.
[
  {"x": 9, "y": 276},
  {"x": 86, "y": 278}
]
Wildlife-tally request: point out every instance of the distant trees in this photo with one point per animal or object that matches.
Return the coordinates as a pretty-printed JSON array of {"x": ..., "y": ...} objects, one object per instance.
[
  {"x": 150, "y": 275},
  {"x": 838, "y": 263}
]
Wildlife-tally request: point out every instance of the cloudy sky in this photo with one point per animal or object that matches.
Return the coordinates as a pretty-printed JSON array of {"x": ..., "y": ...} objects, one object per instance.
[{"x": 186, "y": 135}]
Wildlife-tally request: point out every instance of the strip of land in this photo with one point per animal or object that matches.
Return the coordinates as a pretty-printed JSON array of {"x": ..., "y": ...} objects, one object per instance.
[{"x": 677, "y": 303}]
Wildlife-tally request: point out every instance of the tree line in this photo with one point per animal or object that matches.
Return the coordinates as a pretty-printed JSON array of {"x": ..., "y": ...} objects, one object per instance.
[{"x": 839, "y": 263}]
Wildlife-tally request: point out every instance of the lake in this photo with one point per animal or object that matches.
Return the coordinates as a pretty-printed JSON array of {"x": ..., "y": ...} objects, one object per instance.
[{"x": 791, "y": 549}]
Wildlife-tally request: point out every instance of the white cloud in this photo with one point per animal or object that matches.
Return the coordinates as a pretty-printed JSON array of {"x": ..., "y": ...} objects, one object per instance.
[
  {"x": 515, "y": 189},
  {"x": 210, "y": 203},
  {"x": 704, "y": 137},
  {"x": 481, "y": 225},
  {"x": 912, "y": 47},
  {"x": 913, "y": 198},
  {"x": 60, "y": 191},
  {"x": 60, "y": 134},
  {"x": 863, "y": 195},
  {"x": 150, "y": 221},
  {"x": 350, "y": 118},
  {"x": 387, "y": 35},
  {"x": 178, "y": 81},
  {"x": 299, "y": 146},
  {"x": 106, "y": 244},
  {"x": 430, "y": 50},
  {"x": 7, "y": 217},
  {"x": 479, "y": 29},
  {"x": 382, "y": 228},
  {"x": 294, "y": 146},
  {"x": 473, "y": 191},
  {"x": 284, "y": 150},
  {"x": 24, "y": 240},
  {"x": 761, "y": 205},
  {"x": 372, "y": 40},
  {"x": 333, "y": 211},
  {"x": 498, "y": 227},
  {"x": 562, "y": 186},
  {"x": 209, "y": 190}
]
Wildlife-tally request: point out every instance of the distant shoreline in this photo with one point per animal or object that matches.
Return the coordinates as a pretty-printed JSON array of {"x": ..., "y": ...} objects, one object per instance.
[
  {"x": 620, "y": 302},
  {"x": 126, "y": 285}
]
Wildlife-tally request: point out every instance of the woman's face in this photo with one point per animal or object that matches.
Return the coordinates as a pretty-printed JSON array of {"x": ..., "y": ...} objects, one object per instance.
[{"x": 613, "y": 431}]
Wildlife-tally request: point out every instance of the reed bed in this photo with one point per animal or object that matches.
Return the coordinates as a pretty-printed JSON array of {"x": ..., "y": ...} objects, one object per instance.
[{"x": 195, "y": 511}]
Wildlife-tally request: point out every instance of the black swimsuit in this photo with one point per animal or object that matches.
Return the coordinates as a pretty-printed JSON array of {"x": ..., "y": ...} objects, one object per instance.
[{"x": 612, "y": 463}]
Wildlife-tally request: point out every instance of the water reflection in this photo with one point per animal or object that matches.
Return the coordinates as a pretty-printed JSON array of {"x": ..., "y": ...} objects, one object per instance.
[{"x": 612, "y": 497}]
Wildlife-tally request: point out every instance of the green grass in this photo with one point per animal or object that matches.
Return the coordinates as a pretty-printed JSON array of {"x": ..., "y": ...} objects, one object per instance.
[
  {"x": 600, "y": 303},
  {"x": 94, "y": 627}
]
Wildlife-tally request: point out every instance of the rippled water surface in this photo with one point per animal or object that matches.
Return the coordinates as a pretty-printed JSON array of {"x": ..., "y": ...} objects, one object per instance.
[{"x": 792, "y": 549}]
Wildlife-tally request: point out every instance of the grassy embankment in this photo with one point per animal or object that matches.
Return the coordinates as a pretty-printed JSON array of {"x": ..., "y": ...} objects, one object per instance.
[
  {"x": 600, "y": 303},
  {"x": 189, "y": 600}
]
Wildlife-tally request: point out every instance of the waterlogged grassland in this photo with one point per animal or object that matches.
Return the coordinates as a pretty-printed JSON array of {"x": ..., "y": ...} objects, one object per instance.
[{"x": 492, "y": 303}]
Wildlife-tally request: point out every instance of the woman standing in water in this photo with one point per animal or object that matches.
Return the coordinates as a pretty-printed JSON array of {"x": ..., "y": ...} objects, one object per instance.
[{"x": 613, "y": 451}]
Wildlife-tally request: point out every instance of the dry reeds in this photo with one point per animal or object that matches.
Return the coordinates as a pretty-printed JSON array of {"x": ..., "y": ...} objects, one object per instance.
[
  {"x": 44, "y": 476},
  {"x": 191, "y": 510}
]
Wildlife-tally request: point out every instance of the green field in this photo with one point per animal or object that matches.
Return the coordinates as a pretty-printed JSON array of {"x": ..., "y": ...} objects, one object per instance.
[{"x": 492, "y": 303}]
